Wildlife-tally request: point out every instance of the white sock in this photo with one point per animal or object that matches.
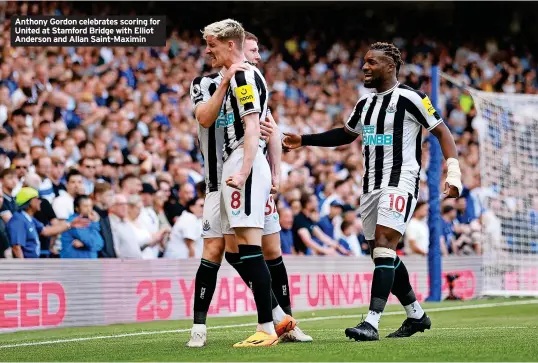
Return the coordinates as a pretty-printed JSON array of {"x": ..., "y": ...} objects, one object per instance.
[
  {"x": 269, "y": 328},
  {"x": 414, "y": 310},
  {"x": 373, "y": 318},
  {"x": 278, "y": 314},
  {"x": 199, "y": 328}
]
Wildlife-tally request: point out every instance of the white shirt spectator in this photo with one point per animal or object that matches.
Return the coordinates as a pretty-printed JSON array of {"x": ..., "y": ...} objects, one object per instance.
[
  {"x": 63, "y": 206},
  {"x": 187, "y": 226},
  {"x": 46, "y": 190},
  {"x": 418, "y": 231},
  {"x": 123, "y": 233},
  {"x": 148, "y": 220}
]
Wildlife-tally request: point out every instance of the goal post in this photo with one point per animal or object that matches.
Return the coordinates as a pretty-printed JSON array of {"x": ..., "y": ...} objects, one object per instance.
[{"x": 507, "y": 125}]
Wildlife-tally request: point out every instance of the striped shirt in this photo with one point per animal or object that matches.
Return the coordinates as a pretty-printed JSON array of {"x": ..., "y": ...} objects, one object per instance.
[
  {"x": 391, "y": 126},
  {"x": 211, "y": 139},
  {"x": 246, "y": 94}
]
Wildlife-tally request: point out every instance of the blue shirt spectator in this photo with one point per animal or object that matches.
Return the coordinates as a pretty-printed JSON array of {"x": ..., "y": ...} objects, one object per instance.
[
  {"x": 82, "y": 242},
  {"x": 23, "y": 231}
]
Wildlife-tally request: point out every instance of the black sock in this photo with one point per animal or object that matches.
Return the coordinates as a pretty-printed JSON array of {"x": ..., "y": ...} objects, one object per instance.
[
  {"x": 280, "y": 284},
  {"x": 258, "y": 273},
  {"x": 381, "y": 283},
  {"x": 234, "y": 260},
  {"x": 401, "y": 288},
  {"x": 204, "y": 288}
]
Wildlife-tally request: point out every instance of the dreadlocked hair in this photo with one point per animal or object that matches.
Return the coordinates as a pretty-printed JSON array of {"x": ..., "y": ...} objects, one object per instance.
[{"x": 391, "y": 51}]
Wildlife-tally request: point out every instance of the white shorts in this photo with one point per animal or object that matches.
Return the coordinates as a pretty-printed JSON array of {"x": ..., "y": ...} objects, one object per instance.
[
  {"x": 245, "y": 207},
  {"x": 390, "y": 207},
  {"x": 272, "y": 219},
  {"x": 211, "y": 226}
]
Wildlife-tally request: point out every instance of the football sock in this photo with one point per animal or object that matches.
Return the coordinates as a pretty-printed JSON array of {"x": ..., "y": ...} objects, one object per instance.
[
  {"x": 381, "y": 283},
  {"x": 256, "y": 271},
  {"x": 279, "y": 283},
  {"x": 401, "y": 288},
  {"x": 204, "y": 288}
]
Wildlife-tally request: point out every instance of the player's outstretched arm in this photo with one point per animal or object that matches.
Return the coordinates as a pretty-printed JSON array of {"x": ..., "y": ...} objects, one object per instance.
[
  {"x": 453, "y": 185},
  {"x": 275, "y": 155},
  {"x": 335, "y": 137},
  {"x": 207, "y": 113},
  {"x": 252, "y": 135}
]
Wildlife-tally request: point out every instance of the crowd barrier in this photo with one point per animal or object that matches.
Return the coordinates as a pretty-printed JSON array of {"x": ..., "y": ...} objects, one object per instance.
[{"x": 43, "y": 294}]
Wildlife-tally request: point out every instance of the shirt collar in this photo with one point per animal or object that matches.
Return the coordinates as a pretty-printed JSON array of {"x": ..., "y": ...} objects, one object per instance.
[
  {"x": 27, "y": 216},
  {"x": 389, "y": 90}
]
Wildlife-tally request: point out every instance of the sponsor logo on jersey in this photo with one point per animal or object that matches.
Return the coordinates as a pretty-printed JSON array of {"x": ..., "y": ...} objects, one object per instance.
[
  {"x": 391, "y": 108},
  {"x": 206, "y": 226},
  {"x": 428, "y": 106},
  {"x": 275, "y": 216},
  {"x": 397, "y": 216},
  {"x": 369, "y": 137},
  {"x": 245, "y": 94},
  {"x": 236, "y": 212},
  {"x": 225, "y": 119}
]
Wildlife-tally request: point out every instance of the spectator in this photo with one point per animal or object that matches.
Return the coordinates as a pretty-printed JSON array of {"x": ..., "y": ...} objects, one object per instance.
[
  {"x": 43, "y": 168},
  {"x": 328, "y": 222},
  {"x": 103, "y": 197},
  {"x": 305, "y": 229},
  {"x": 24, "y": 230},
  {"x": 349, "y": 240},
  {"x": 63, "y": 205},
  {"x": 88, "y": 170},
  {"x": 150, "y": 242},
  {"x": 286, "y": 233},
  {"x": 56, "y": 175},
  {"x": 341, "y": 192},
  {"x": 148, "y": 217},
  {"x": 417, "y": 234},
  {"x": 21, "y": 166},
  {"x": 4, "y": 240},
  {"x": 47, "y": 217},
  {"x": 9, "y": 180},
  {"x": 186, "y": 236},
  {"x": 130, "y": 185},
  {"x": 82, "y": 242},
  {"x": 42, "y": 136}
]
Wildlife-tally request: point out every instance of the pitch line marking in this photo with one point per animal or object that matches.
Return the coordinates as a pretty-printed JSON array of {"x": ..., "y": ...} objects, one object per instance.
[{"x": 156, "y": 332}]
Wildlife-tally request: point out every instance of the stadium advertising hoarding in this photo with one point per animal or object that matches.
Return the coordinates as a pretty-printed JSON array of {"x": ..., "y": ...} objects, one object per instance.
[{"x": 60, "y": 293}]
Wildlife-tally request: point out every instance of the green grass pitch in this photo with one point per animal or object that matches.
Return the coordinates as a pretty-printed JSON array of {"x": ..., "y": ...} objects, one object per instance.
[{"x": 482, "y": 330}]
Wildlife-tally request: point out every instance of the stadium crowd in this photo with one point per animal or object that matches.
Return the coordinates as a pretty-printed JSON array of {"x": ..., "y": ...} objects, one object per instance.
[{"x": 107, "y": 138}]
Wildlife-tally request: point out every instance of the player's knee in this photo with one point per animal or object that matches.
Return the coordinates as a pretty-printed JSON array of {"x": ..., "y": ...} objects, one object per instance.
[
  {"x": 386, "y": 237},
  {"x": 213, "y": 249},
  {"x": 271, "y": 246},
  {"x": 230, "y": 243}
]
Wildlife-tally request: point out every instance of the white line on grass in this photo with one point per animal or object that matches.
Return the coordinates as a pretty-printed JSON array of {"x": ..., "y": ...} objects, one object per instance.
[{"x": 115, "y": 336}]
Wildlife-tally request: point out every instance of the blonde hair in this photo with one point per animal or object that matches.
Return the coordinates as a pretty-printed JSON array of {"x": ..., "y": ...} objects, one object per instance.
[{"x": 228, "y": 29}]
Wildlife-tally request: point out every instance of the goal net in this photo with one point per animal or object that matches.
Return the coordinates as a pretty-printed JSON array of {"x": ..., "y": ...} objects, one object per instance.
[{"x": 507, "y": 125}]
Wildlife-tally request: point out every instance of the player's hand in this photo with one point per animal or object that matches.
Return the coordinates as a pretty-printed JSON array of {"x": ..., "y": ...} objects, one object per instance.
[
  {"x": 291, "y": 141},
  {"x": 236, "y": 67},
  {"x": 236, "y": 181},
  {"x": 451, "y": 191},
  {"x": 266, "y": 129},
  {"x": 275, "y": 187}
]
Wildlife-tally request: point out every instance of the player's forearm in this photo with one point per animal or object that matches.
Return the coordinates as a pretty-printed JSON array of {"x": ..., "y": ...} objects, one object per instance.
[
  {"x": 331, "y": 138},
  {"x": 207, "y": 113},
  {"x": 275, "y": 151},
  {"x": 251, "y": 140}
]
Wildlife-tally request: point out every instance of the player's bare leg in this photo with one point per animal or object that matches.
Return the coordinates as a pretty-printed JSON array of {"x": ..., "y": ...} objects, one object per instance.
[
  {"x": 272, "y": 253},
  {"x": 204, "y": 288},
  {"x": 384, "y": 256}
]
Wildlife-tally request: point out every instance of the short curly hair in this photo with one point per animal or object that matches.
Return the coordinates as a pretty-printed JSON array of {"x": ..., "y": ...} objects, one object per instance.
[{"x": 391, "y": 51}]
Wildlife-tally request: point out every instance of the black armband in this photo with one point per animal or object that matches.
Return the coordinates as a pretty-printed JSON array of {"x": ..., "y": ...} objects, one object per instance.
[{"x": 334, "y": 137}]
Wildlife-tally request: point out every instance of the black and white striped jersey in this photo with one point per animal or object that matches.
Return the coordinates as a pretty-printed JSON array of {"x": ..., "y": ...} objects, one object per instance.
[
  {"x": 211, "y": 139},
  {"x": 246, "y": 94},
  {"x": 391, "y": 126}
]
